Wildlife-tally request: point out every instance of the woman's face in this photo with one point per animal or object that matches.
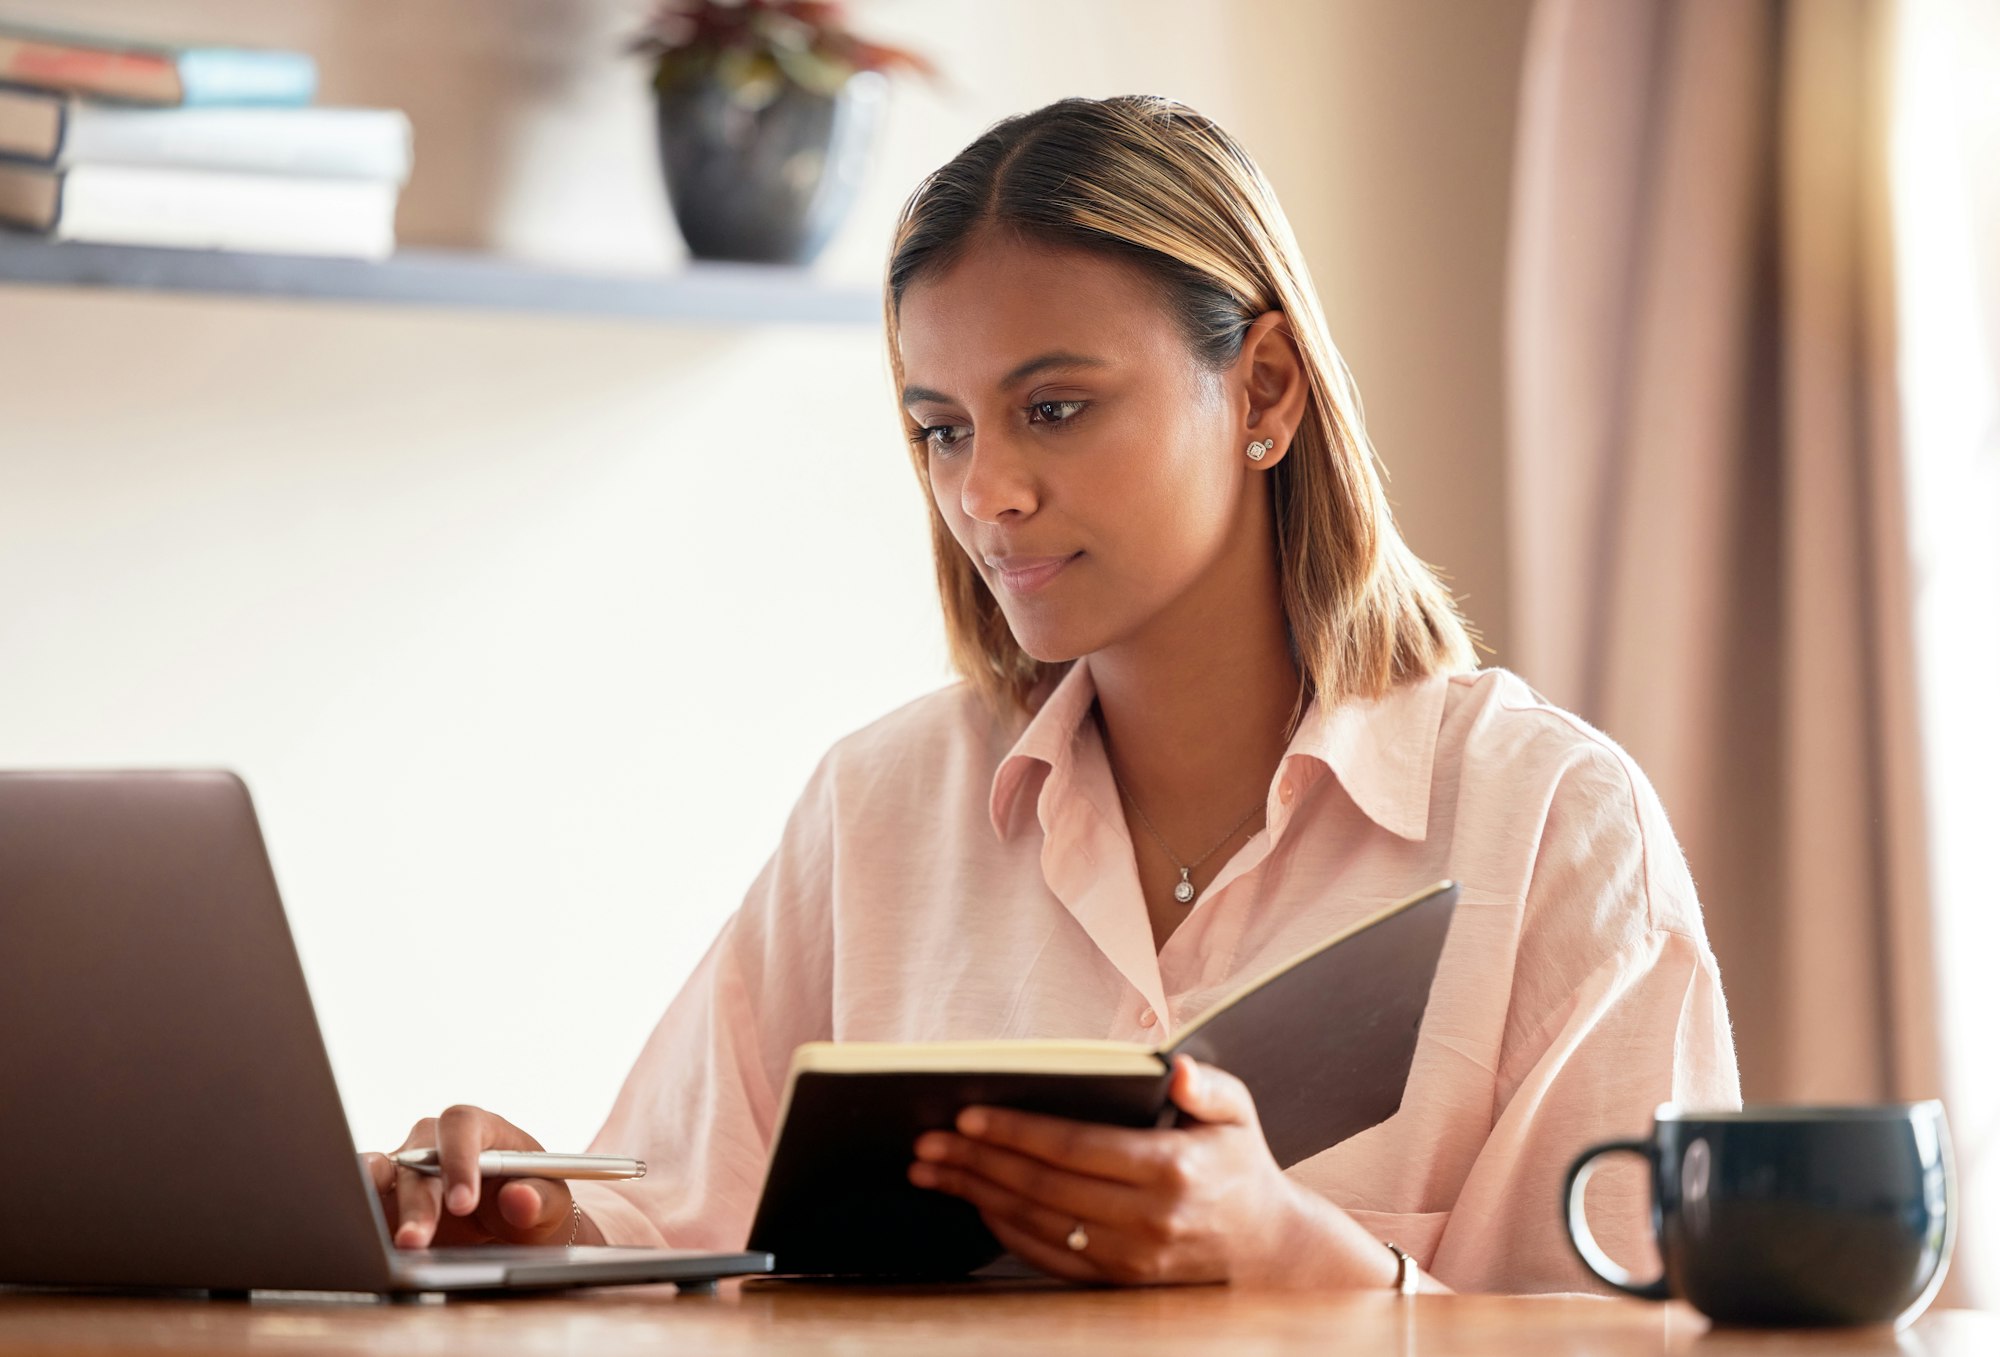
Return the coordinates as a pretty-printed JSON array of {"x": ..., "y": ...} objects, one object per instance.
[{"x": 1091, "y": 469}]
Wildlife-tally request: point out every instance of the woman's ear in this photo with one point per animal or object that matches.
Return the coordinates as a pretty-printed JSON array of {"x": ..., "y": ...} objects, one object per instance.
[{"x": 1272, "y": 374}]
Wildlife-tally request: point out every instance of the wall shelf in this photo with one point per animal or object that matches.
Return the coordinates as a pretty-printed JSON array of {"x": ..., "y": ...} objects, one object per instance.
[{"x": 701, "y": 292}]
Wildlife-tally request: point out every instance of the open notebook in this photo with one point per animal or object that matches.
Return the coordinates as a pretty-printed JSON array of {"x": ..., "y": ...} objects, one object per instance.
[{"x": 1324, "y": 1043}]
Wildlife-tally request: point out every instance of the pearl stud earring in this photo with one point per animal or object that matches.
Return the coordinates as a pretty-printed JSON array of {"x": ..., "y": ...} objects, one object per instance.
[{"x": 1257, "y": 450}]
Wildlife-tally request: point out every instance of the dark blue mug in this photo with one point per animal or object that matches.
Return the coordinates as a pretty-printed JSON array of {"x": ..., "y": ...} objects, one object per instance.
[{"x": 1781, "y": 1215}]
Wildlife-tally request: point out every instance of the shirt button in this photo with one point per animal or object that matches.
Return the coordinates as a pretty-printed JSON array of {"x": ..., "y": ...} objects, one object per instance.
[
  {"x": 1147, "y": 1017},
  {"x": 1285, "y": 791}
]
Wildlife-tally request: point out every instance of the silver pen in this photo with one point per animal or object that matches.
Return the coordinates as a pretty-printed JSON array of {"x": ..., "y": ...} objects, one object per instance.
[{"x": 529, "y": 1164}]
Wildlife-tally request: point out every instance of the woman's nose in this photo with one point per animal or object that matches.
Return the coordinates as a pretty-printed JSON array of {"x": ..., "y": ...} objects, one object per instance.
[{"x": 998, "y": 477}]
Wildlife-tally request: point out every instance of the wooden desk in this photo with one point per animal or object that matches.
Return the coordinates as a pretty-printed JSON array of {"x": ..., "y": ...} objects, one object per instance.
[{"x": 1013, "y": 1317}]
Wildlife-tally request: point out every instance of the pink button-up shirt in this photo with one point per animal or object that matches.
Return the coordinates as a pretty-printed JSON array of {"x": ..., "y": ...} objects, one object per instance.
[{"x": 949, "y": 874}]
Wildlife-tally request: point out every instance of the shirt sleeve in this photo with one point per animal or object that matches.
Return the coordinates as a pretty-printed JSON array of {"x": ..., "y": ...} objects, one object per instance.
[
  {"x": 1616, "y": 1007},
  {"x": 701, "y": 1102}
]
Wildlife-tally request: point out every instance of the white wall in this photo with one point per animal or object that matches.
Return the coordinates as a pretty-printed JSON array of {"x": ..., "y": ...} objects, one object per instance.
[
  {"x": 519, "y": 631},
  {"x": 523, "y": 623}
]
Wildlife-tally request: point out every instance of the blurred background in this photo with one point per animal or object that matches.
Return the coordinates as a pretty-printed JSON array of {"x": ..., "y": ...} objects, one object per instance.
[{"x": 525, "y": 612}]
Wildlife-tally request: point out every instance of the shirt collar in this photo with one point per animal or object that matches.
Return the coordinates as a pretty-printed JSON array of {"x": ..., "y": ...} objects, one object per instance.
[
  {"x": 1048, "y": 741},
  {"x": 1382, "y": 750}
]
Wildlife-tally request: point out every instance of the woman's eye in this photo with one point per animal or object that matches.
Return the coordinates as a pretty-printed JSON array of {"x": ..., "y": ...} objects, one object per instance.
[
  {"x": 1070, "y": 409},
  {"x": 927, "y": 437}
]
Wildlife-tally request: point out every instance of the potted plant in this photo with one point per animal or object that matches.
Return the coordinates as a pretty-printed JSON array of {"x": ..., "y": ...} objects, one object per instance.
[{"x": 767, "y": 110}]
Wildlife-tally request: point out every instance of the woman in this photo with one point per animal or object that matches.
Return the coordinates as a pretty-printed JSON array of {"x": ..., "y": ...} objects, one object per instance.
[{"x": 1212, "y": 710}]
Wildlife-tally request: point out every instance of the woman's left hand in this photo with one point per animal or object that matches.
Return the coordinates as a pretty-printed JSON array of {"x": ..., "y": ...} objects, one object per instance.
[{"x": 1203, "y": 1203}]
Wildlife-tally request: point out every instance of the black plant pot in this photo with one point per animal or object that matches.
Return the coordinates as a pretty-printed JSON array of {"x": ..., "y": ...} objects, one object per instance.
[{"x": 769, "y": 184}]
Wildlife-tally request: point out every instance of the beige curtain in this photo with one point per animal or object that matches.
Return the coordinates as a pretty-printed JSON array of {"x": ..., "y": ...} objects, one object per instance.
[{"x": 1709, "y": 549}]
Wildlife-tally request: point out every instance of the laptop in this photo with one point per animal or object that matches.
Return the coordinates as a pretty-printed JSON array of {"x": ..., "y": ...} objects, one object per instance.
[{"x": 168, "y": 1115}]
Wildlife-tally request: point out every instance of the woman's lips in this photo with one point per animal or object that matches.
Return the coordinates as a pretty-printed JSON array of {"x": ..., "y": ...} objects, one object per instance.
[{"x": 1033, "y": 578}]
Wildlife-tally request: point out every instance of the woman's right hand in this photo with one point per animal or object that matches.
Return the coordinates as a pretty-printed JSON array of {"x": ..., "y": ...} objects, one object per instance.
[{"x": 457, "y": 1208}]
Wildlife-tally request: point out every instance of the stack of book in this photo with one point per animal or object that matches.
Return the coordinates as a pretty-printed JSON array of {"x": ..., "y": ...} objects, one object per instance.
[{"x": 193, "y": 147}]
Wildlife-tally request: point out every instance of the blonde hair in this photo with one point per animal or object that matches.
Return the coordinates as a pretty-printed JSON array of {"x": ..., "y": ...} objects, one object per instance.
[{"x": 1148, "y": 180}]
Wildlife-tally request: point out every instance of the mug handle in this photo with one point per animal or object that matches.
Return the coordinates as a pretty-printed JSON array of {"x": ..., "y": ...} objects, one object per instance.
[{"x": 1580, "y": 1238}]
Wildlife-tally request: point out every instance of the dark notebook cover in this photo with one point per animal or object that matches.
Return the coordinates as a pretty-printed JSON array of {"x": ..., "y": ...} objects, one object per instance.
[{"x": 1324, "y": 1044}]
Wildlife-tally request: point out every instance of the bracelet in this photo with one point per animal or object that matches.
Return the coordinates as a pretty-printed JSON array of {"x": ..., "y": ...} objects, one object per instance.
[
  {"x": 575, "y": 1219},
  {"x": 1406, "y": 1271}
]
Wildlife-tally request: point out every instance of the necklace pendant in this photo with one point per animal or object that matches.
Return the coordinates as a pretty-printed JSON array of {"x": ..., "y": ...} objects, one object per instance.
[{"x": 1184, "y": 892}]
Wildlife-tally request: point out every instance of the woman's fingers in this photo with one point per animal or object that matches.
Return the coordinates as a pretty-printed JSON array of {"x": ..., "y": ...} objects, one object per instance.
[
  {"x": 1040, "y": 1235},
  {"x": 1075, "y": 1196},
  {"x": 462, "y": 1133},
  {"x": 997, "y": 1203},
  {"x": 410, "y": 1221},
  {"x": 455, "y": 1204},
  {"x": 381, "y": 1172},
  {"x": 527, "y": 1210},
  {"x": 1211, "y": 1094},
  {"x": 1115, "y": 1152},
  {"x": 1058, "y": 1260},
  {"x": 418, "y": 1198}
]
